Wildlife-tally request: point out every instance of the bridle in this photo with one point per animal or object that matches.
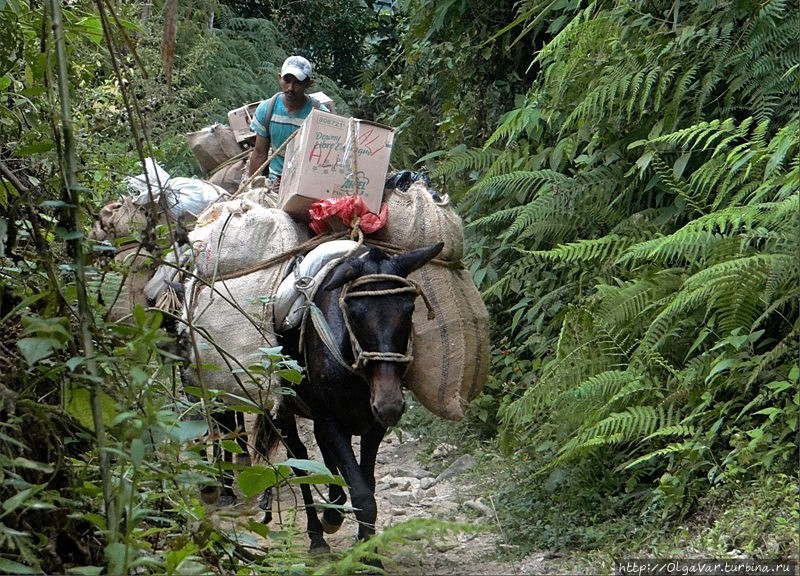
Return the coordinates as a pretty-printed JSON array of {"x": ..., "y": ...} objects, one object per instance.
[{"x": 361, "y": 356}]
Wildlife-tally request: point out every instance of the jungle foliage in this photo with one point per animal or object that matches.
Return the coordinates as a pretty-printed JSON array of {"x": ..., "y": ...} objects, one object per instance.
[
  {"x": 628, "y": 173},
  {"x": 636, "y": 227}
]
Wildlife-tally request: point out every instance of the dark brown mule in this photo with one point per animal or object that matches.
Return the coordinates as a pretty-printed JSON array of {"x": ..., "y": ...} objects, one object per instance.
[{"x": 356, "y": 388}]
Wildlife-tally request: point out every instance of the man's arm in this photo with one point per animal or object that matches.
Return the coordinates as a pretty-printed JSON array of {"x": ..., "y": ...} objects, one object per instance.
[{"x": 259, "y": 154}]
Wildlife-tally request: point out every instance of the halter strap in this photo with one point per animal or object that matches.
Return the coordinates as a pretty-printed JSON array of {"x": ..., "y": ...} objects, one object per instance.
[{"x": 363, "y": 356}]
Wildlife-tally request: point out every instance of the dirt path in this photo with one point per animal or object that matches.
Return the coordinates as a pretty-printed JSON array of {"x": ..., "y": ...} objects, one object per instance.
[{"x": 407, "y": 491}]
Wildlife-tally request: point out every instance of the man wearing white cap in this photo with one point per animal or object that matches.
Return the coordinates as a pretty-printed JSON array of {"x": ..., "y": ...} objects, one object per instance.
[{"x": 277, "y": 118}]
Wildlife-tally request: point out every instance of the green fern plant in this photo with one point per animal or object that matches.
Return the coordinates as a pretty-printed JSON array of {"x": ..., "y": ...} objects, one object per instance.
[{"x": 648, "y": 184}]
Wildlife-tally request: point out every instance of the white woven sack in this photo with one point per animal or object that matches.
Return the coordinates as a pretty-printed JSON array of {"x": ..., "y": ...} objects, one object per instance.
[
  {"x": 416, "y": 219},
  {"x": 451, "y": 352},
  {"x": 232, "y": 321},
  {"x": 242, "y": 235}
]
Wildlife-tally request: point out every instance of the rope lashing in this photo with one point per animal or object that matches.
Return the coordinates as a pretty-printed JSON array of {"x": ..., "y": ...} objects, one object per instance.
[{"x": 363, "y": 356}]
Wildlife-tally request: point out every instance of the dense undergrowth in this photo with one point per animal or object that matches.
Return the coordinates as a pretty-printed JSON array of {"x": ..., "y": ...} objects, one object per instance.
[{"x": 587, "y": 518}]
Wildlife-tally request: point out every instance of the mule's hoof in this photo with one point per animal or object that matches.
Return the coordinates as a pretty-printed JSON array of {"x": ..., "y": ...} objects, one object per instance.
[
  {"x": 226, "y": 499},
  {"x": 209, "y": 494},
  {"x": 319, "y": 547},
  {"x": 331, "y": 527}
]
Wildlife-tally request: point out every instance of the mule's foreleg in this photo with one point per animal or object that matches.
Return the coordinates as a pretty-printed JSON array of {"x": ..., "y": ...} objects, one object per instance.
[
  {"x": 370, "y": 442},
  {"x": 336, "y": 447},
  {"x": 333, "y": 518},
  {"x": 230, "y": 423}
]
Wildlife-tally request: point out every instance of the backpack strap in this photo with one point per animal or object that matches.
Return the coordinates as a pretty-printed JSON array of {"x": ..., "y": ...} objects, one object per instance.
[
  {"x": 268, "y": 116},
  {"x": 271, "y": 106}
]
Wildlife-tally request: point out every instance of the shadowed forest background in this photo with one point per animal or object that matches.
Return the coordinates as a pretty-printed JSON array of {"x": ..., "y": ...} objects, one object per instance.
[{"x": 627, "y": 173}]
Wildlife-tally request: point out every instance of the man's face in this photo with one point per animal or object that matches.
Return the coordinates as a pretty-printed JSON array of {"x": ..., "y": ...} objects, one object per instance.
[{"x": 292, "y": 86}]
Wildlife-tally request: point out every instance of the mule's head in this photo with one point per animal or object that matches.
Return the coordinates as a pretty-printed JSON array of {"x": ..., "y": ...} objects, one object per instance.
[{"x": 378, "y": 304}]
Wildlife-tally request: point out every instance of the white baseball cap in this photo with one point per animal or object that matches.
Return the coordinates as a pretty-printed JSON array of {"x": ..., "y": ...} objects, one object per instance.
[{"x": 297, "y": 66}]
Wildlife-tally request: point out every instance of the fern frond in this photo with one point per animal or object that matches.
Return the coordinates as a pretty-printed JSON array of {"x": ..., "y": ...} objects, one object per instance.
[
  {"x": 479, "y": 159},
  {"x": 675, "y": 448},
  {"x": 630, "y": 425},
  {"x": 515, "y": 124},
  {"x": 607, "y": 248},
  {"x": 525, "y": 184}
]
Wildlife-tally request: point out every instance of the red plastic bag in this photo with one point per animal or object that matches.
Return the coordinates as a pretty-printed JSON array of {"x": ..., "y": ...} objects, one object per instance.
[{"x": 349, "y": 210}]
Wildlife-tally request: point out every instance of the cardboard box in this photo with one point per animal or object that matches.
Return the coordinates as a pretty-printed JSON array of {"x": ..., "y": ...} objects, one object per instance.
[
  {"x": 333, "y": 156},
  {"x": 325, "y": 100},
  {"x": 239, "y": 121}
]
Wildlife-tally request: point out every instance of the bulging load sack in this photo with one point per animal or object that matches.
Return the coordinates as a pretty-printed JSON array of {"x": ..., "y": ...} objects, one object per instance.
[
  {"x": 451, "y": 352},
  {"x": 232, "y": 321},
  {"x": 242, "y": 254},
  {"x": 120, "y": 219},
  {"x": 238, "y": 235},
  {"x": 229, "y": 176},
  {"x": 419, "y": 216},
  {"x": 122, "y": 287},
  {"x": 182, "y": 197},
  {"x": 213, "y": 145}
]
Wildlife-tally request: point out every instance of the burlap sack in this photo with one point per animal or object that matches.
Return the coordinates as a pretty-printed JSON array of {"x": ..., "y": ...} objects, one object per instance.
[
  {"x": 451, "y": 352},
  {"x": 417, "y": 219},
  {"x": 229, "y": 310},
  {"x": 242, "y": 235},
  {"x": 118, "y": 220},
  {"x": 229, "y": 176},
  {"x": 231, "y": 321},
  {"x": 213, "y": 145},
  {"x": 123, "y": 287}
]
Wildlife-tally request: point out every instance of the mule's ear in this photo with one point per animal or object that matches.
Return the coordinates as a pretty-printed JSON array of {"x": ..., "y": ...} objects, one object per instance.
[
  {"x": 404, "y": 264},
  {"x": 348, "y": 270}
]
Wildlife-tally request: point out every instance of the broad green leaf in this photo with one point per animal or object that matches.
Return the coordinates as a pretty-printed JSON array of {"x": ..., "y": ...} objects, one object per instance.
[
  {"x": 79, "y": 404},
  {"x": 724, "y": 364},
  {"x": 86, "y": 570},
  {"x": 188, "y": 430},
  {"x": 97, "y": 519},
  {"x": 318, "y": 479},
  {"x": 680, "y": 165},
  {"x": 20, "y": 462},
  {"x": 259, "y": 528},
  {"x": 137, "y": 452},
  {"x": 770, "y": 412},
  {"x": 74, "y": 362},
  {"x": 292, "y": 376},
  {"x": 256, "y": 479},
  {"x": 20, "y": 497},
  {"x": 310, "y": 466},
  {"x": 68, "y": 234},
  {"x": 93, "y": 28},
  {"x": 33, "y": 149},
  {"x": 11, "y": 567},
  {"x": 36, "y": 349},
  {"x": 231, "y": 446}
]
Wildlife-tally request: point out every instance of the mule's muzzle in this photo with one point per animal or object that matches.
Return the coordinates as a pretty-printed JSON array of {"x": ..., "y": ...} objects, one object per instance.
[{"x": 388, "y": 414}]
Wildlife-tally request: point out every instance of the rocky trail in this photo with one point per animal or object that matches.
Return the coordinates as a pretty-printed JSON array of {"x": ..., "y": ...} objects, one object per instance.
[{"x": 407, "y": 491}]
